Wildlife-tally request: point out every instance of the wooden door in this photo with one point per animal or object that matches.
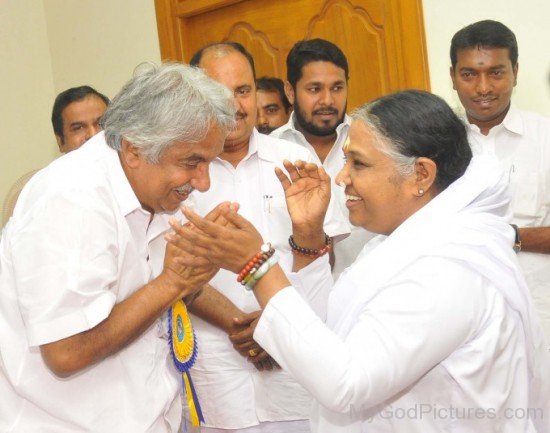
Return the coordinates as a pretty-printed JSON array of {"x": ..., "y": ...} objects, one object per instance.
[{"x": 382, "y": 39}]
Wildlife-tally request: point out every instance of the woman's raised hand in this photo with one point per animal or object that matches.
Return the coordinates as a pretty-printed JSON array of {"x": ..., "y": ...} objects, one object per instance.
[{"x": 307, "y": 192}]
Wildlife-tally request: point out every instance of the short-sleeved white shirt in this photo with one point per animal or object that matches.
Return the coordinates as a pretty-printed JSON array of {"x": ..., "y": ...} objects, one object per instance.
[
  {"x": 77, "y": 244},
  {"x": 522, "y": 144},
  {"x": 232, "y": 393},
  {"x": 347, "y": 250}
]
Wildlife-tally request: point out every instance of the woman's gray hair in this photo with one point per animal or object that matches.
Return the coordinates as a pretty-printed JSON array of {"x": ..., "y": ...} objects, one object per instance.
[
  {"x": 164, "y": 104},
  {"x": 404, "y": 164},
  {"x": 414, "y": 124}
]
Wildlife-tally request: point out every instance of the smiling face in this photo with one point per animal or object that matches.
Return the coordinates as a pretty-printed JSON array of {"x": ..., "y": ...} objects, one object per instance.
[
  {"x": 80, "y": 122},
  {"x": 319, "y": 98},
  {"x": 234, "y": 71},
  {"x": 182, "y": 167},
  {"x": 484, "y": 79},
  {"x": 379, "y": 198}
]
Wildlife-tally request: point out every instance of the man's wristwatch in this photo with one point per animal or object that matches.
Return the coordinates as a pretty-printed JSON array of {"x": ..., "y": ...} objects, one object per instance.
[{"x": 517, "y": 240}]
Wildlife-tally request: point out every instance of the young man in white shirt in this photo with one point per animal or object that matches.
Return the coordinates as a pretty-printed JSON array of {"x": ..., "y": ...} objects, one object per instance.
[
  {"x": 234, "y": 389},
  {"x": 317, "y": 86},
  {"x": 484, "y": 70},
  {"x": 84, "y": 276}
]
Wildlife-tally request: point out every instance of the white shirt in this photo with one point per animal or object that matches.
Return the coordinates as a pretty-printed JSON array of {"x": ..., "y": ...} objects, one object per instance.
[
  {"x": 522, "y": 144},
  {"x": 346, "y": 250},
  {"x": 232, "y": 393},
  {"x": 77, "y": 244},
  {"x": 440, "y": 337}
]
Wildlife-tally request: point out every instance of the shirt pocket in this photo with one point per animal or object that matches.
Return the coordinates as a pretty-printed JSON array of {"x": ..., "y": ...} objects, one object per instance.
[
  {"x": 527, "y": 188},
  {"x": 278, "y": 223}
]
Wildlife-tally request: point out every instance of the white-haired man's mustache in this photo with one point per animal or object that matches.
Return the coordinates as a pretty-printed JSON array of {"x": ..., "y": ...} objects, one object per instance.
[{"x": 185, "y": 189}]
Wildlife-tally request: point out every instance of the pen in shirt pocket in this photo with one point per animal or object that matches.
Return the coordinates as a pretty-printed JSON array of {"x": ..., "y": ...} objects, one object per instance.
[
  {"x": 267, "y": 203},
  {"x": 511, "y": 172}
]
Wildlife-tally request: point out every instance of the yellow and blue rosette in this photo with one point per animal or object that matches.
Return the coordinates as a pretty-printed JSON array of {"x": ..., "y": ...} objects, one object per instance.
[{"x": 183, "y": 346}]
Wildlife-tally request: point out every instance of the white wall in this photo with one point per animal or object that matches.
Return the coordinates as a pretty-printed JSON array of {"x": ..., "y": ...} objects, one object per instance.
[
  {"x": 26, "y": 91},
  {"x": 528, "y": 19},
  {"x": 47, "y": 46},
  {"x": 100, "y": 42}
]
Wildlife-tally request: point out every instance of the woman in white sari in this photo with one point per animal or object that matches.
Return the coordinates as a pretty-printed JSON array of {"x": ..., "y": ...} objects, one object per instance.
[{"x": 431, "y": 329}]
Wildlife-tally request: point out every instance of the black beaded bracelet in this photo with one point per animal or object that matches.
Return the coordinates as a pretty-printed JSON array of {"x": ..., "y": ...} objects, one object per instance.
[{"x": 310, "y": 252}]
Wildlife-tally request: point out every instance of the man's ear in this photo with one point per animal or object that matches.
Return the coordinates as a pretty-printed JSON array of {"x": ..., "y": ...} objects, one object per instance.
[
  {"x": 452, "y": 73},
  {"x": 425, "y": 173},
  {"x": 60, "y": 143},
  {"x": 130, "y": 154},
  {"x": 515, "y": 70},
  {"x": 289, "y": 92}
]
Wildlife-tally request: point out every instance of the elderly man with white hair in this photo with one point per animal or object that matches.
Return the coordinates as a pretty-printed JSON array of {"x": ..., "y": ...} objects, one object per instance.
[{"x": 84, "y": 282}]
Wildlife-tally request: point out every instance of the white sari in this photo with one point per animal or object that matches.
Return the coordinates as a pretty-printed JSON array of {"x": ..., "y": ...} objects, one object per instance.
[{"x": 465, "y": 225}]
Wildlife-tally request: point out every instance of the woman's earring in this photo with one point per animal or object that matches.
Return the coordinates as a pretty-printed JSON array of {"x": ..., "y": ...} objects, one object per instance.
[{"x": 420, "y": 192}]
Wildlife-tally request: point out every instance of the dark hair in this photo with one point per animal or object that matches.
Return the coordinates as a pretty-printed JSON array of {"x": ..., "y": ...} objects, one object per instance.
[
  {"x": 485, "y": 34},
  {"x": 227, "y": 46},
  {"x": 313, "y": 50},
  {"x": 66, "y": 98},
  {"x": 415, "y": 124},
  {"x": 272, "y": 84}
]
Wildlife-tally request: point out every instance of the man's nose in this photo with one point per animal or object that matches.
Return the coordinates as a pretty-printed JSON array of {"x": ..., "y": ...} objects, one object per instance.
[
  {"x": 327, "y": 97},
  {"x": 201, "y": 179},
  {"x": 91, "y": 131},
  {"x": 483, "y": 85},
  {"x": 261, "y": 119}
]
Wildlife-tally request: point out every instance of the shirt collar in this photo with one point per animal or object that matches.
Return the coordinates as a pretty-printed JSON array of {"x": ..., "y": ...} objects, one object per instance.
[
  {"x": 126, "y": 197},
  {"x": 266, "y": 153},
  {"x": 252, "y": 147},
  {"x": 122, "y": 190},
  {"x": 290, "y": 126},
  {"x": 512, "y": 122},
  {"x": 253, "y": 143}
]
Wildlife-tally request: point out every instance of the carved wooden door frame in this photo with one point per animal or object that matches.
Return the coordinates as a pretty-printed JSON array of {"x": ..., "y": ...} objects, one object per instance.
[{"x": 395, "y": 28}]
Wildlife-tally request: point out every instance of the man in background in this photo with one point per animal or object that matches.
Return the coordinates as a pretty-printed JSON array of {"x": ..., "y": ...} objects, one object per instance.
[
  {"x": 273, "y": 106},
  {"x": 75, "y": 119},
  {"x": 317, "y": 86},
  {"x": 75, "y": 116},
  {"x": 235, "y": 391},
  {"x": 484, "y": 71}
]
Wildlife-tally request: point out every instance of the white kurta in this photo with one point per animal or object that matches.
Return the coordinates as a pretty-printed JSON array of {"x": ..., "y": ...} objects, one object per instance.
[
  {"x": 522, "y": 144},
  {"x": 430, "y": 330},
  {"x": 232, "y": 393},
  {"x": 77, "y": 244},
  {"x": 347, "y": 250}
]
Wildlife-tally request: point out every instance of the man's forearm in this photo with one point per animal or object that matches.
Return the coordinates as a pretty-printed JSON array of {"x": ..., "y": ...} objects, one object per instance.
[
  {"x": 127, "y": 321},
  {"x": 215, "y": 308},
  {"x": 535, "y": 239}
]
